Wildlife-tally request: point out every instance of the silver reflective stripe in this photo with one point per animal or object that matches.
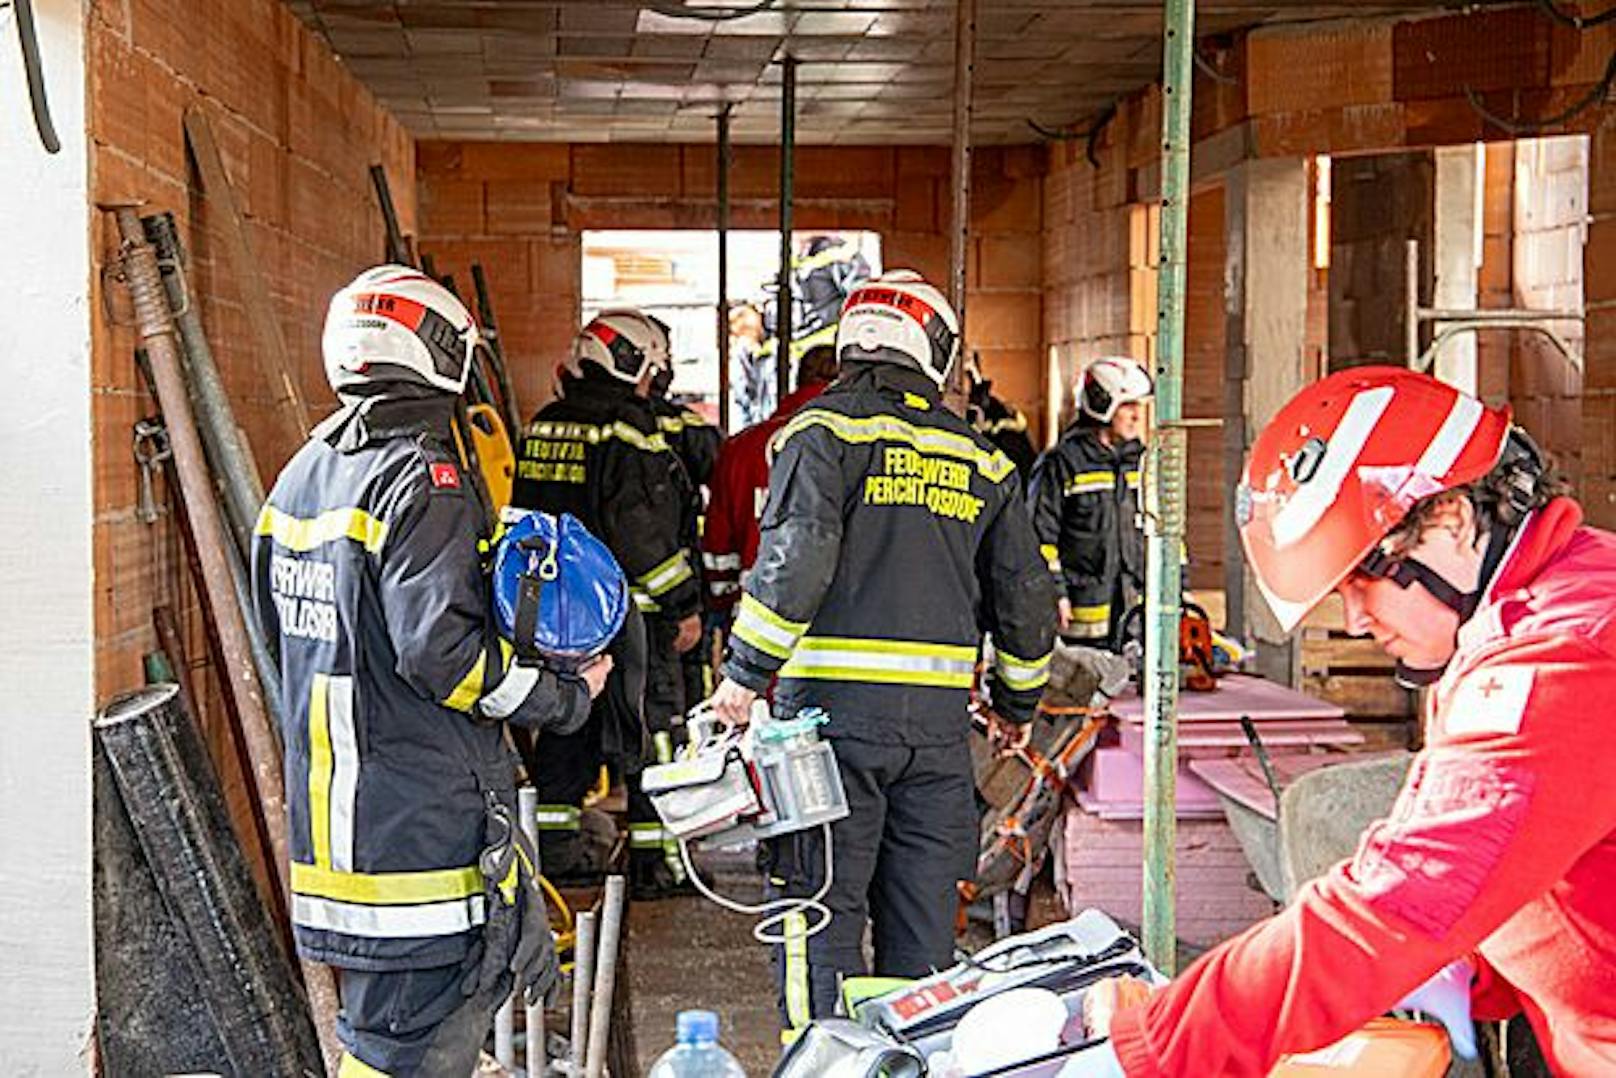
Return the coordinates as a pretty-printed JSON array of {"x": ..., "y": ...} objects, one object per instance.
[
  {"x": 666, "y": 576},
  {"x": 1313, "y": 498},
  {"x": 508, "y": 695},
  {"x": 1451, "y": 438},
  {"x": 344, "y": 770},
  {"x": 556, "y": 817},
  {"x": 723, "y": 587},
  {"x": 389, "y": 922},
  {"x": 889, "y": 661},
  {"x": 764, "y": 634},
  {"x": 1018, "y": 674},
  {"x": 721, "y": 561}
]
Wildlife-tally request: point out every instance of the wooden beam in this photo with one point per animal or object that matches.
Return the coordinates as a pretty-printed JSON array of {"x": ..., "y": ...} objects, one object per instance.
[{"x": 249, "y": 275}]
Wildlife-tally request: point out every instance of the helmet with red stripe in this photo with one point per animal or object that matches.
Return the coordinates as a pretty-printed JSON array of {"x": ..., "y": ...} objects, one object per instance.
[
  {"x": 623, "y": 342},
  {"x": 900, "y": 314},
  {"x": 1109, "y": 382},
  {"x": 396, "y": 324},
  {"x": 1340, "y": 466}
]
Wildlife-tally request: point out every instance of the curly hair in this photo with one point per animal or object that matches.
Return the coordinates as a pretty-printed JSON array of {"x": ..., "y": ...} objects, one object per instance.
[{"x": 1500, "y": 497}]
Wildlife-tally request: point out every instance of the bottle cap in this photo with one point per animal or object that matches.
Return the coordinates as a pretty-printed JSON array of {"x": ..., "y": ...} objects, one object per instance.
[{"x": 698, "y": 1027}]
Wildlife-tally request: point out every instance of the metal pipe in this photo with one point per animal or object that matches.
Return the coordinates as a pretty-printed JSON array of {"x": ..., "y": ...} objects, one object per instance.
[
  {"x": 228, "y": 455},
  {"x": 534, "y": 1050},
  {"x": 505, "y": 1034},
  {"x": 723, "y": 269},
  {"x": 788, "y": 179},
  {"x": 1164, "y": 497},
  {"x": 959, "y": 236},
  {"x": 1411, "y": 306},
  {"x": 155, "y": 324},
  {"x": 600, "y": 1007},
  {"x": 583, "y": 984}
]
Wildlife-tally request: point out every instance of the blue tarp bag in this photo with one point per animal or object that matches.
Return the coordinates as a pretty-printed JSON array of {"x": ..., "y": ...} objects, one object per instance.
[{"x": 559, "y": 595}]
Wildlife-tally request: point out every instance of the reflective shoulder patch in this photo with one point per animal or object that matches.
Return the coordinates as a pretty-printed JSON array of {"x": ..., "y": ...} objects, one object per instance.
[{"x": 1489, "y": 701}]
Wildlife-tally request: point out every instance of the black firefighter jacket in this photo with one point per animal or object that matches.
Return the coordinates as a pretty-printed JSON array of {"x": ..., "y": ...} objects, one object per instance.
[
  {"x": 596, "y": 453},
  {"x": 368, "y": 582},
  {"x": 1085, "y": 509},
  {"x": 893, "y": 538}
]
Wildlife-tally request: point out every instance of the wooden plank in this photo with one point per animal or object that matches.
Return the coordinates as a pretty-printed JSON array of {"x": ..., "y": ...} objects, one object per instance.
[
  {"x": 1362, "y": 694},
  {"x": 249, "y": 276},
  {"x": 1323, "y": 653}
]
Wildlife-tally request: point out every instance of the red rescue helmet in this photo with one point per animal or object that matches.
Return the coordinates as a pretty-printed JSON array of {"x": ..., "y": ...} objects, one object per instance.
[{"x": 1339, "y": 467}]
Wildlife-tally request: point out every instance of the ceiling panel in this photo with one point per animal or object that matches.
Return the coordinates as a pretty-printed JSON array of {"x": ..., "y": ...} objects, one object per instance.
[{"x": 876, "y": 71}]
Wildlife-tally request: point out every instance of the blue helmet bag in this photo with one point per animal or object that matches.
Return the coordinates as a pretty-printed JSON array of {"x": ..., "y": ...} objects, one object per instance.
[{"x": 559, "y": 595}]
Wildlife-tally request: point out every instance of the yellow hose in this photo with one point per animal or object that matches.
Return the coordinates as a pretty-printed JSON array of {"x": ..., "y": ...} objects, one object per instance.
[{"x": 559, "y": 910}]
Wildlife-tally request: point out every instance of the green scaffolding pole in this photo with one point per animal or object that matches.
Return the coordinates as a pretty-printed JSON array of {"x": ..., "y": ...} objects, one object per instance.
[{"x": 1164, "y": 497}]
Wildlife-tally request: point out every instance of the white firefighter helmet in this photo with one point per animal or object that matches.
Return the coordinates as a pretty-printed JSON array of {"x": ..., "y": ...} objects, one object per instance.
[
  {"x": 396, "y": 324},
  {"x": 623, "y": 342},
  {"x": 1108, "y": 382},
  {"x": 900, "y": 312}
]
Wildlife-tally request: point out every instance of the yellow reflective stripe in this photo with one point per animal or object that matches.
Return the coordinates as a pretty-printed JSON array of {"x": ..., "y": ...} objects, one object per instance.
[
  {"x": 890, "y": 662},
  {"x": 1016, "y": 422},
  {"x": 762, "y": 628},
  {"x": 319, "y": 772},
  {"x": 995, "y": 466},
  {"x": 1021, "y": 675},
  {"x": 842, "y": 252},
  {"x": 645, "y": 836},
  {"x": 1090, "y": 483},
  {"x": 1089, "y": 614},
  {"x": 1132, "y": 479},
  {"x": 387, "y": 888},
  {"x": 354, "y": 1067},
  {"x": 588, "y": 432},
  {"x": 300, "y": 534},
  {"x": 799, "y": 1006},
  {"x": 916, "y": 401},
  {"x": 646, "y": 604},
  {"x": 676, "y": 424},
  {"x": 662, "y": 743},
  {"x": 470, "y": 690},
  {"x": 1051, "y": 555},
  {"x": 664, "y": 577}
]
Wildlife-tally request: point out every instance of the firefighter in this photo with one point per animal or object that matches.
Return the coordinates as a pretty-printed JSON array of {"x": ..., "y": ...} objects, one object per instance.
[
  {"x": 826, "y": 272},
  {"x": 368, "y": 583},
  {"x": 999, "y": 422},
  {"x": 1085, "y": 503},
  {"x": 893, "y": 538},
  {"x": 596, "y": 453},
  {"x": 740, "y": 483},
  {"x": 1489, "y": 886},
  {"x": 694, "y": 443}
]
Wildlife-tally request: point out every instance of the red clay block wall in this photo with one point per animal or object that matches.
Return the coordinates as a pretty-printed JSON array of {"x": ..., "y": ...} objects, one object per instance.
[
  {"x": 297, "y": 135},
  {"x": 521, "y": 209}
]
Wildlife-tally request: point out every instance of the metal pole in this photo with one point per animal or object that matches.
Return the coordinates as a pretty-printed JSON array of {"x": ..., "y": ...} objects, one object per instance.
[
  {"x": 536, "y": 1051},
  {"x": 782, "y": 307},
  {"x": 156, "y": 327},
  {"x": 723, "y": 269},
  {"x": 600, "y": 1008},
  {"x": 583, "y": 983},
  {"x": 1164, "y": 497},
  {"x": 959, "y": 237},
  {"x": 1411, "y": 304}
]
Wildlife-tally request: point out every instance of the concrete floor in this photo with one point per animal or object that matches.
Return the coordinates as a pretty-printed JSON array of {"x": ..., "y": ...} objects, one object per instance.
[{"x": 687, "y": 953}]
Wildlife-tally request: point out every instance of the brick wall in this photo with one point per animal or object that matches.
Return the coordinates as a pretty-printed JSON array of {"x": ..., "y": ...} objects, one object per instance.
[
  {"x": 1598, "y": 486},
  {"x": 297, "y": 135},
  {"x": 1100, "y": 280},
  {"x": 1377, "y": 205},
  {"x": 521, "y": 210},
  {"x": 1550, "y": 194}
]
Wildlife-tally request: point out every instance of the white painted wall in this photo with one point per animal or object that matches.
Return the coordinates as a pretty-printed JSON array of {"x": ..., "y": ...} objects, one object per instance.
[
  {"x": 47, "y": 642},
  {"x": 1458, "y": 238}
]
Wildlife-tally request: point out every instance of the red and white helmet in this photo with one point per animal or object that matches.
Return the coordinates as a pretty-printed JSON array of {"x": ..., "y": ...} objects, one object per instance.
[
  {"x": 1108, "y": 382},
  {"x": 1339, "y": 467},
  {"x": 623, "y": 342},
  {"x": 901, "y": 312},
  {"x": 396, "y": 324}
]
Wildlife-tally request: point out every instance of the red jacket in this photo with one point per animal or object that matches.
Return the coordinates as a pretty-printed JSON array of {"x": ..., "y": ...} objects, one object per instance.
[
  {"x": 1502, "y": 846},
  {"x": 739, "y": 484}
]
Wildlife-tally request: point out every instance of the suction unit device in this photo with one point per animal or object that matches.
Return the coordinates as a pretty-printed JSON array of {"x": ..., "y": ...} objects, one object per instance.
[{"x": 730, "y": 786}]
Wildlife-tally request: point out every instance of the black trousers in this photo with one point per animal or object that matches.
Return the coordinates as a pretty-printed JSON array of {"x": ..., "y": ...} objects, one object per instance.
[
  {"x": 909, "y": 838},
  {"x": 665, "y": 706}
]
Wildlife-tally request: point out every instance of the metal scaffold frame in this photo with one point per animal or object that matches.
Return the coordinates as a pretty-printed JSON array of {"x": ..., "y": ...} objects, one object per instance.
[{"x": 1164, "y": 496}]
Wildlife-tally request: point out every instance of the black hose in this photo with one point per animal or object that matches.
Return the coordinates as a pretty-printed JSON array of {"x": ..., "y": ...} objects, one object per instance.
[
  {"x": 1534, "y": 127},
  {"x": 36, "y": 76},
  {"x": 1579, "y": 22}
]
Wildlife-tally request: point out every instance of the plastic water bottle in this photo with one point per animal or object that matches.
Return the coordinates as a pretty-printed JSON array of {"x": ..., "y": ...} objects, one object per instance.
[{"x": 698, "y": 1053}]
